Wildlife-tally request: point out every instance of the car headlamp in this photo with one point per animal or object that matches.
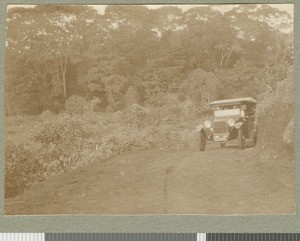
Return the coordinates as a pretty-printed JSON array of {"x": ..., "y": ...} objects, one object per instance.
[
  {"x": 242, "y": 113},
  {"x": 207, "y": 124},
  {"x": 231, "y": 122}
]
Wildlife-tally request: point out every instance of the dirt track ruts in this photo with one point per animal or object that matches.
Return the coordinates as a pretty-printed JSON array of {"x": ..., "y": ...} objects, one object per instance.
[{"x": 216, "y": 181}]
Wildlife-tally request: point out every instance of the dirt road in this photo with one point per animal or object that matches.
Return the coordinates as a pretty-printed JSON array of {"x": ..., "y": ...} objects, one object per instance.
[{"x": 217, "y": 181}]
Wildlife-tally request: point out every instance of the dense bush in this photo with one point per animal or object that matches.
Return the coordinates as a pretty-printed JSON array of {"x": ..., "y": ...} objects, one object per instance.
[
  {"x": 275, "y": 111},
  {"x": 47, "y": 115},
  {"x": 62, "y": 139},
  {"x": 137, "y": 116},
  {"x": 63, "y": 142},
  {"x": 163, "y": 136},
  {"x": 61, "y": 131},
  {"x": 22, "y": 169},
  {"x": 76, "y": 105}
]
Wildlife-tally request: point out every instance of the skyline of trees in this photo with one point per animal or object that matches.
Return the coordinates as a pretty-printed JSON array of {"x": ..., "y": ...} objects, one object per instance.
[{"x": 135, "y": 55}]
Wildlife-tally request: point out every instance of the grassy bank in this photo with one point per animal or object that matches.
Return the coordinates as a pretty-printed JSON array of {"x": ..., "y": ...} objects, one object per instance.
[{"x": 37, "y": 147}]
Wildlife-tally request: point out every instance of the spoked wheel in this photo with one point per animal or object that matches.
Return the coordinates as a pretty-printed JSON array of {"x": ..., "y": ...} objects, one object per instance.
[
  {"x": 202, "y": 142},
  {"x": 241, "y": 139}
]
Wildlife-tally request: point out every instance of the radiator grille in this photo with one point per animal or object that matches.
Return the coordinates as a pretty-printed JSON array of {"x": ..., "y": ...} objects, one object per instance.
[{"x": 220, "y": 127}]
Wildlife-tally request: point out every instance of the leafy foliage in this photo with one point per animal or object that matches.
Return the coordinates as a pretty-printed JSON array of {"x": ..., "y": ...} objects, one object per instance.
[
  {"x": 54, "y": 52},
  {"x": 60, "y": 131},
  {"x": 276, "y": 110},
  {"x": 76, "y": 105},
  {"x": 22, "y": 169}
]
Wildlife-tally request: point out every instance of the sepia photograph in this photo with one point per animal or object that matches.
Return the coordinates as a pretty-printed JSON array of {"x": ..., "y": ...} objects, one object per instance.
[{"x": 149, "y": 109}]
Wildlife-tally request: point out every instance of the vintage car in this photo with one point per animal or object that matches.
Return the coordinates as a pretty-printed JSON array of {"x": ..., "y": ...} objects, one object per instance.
[{"x": 234, "y": 119}]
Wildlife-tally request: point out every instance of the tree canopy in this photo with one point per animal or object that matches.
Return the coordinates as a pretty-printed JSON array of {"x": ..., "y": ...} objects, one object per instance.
[{"x": 133, "y": 54}]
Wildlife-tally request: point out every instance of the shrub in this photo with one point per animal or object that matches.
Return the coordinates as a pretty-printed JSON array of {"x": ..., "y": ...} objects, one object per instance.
[
  {"x": 275, "y": 111},
  {"x": 93, "y": 103},
  {"x": 137, "y": 116},
  {"x": 63, "y": 141},
  {"x": 60, "y": 131},
  {"x": 47, "y": 114},
  {"x": 76, "y": 105},
  {"x": 22, "y": 169},
  {"x": 188, "y": 111}
]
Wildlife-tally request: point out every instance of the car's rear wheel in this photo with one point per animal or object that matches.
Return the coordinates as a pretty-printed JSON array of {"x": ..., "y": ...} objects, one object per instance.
[
  {"x": 202, "y": 142},
  {"x": 241, "y": 139},
  {"x": 222, "y": 145}
]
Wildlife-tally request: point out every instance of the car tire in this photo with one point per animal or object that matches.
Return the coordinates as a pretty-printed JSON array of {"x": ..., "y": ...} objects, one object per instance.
[
  {"x": 222, "y": 145},
  {"x": 241, "y": 139},
  {"x": 202, "y": 142}
]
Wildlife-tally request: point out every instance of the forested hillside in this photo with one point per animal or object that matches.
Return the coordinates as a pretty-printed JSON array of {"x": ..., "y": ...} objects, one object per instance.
[
  {"x": 133, "y": 54},
  {"x": 81, "y": 86}
]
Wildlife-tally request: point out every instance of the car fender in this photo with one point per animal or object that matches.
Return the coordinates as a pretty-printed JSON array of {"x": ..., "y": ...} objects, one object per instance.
[
  {"x": 199, "y": 128},
  {"x": 238, "y": 125},
  {"x": 203, "y": 130}
]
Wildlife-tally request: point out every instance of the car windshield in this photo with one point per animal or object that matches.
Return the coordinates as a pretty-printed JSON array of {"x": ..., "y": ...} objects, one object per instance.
[{"x": 227, "y": 112}]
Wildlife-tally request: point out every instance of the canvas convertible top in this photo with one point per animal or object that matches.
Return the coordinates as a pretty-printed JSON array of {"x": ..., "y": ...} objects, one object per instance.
[{"x": 233, "y": 101}]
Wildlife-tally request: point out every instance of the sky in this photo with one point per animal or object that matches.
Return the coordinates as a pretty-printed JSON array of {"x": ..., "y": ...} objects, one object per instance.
[{"x": 222, "y": 8}]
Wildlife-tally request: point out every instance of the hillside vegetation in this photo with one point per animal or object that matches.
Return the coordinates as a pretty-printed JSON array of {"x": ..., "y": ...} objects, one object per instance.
[{"x": 81, "y": 86}]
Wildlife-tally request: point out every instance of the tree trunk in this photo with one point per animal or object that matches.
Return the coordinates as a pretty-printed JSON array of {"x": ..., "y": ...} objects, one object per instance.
[
  {"x": 201, "y": 93},
  {"x": 63, "y": 68},
  {"x": 226, "y": 61},
  {"x": 222, "y": 59},
  {"x": 64, "y": 83}
]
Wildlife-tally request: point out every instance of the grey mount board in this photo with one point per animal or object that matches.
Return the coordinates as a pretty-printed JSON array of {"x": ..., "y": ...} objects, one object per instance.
[{"x": 151, "y": 223}]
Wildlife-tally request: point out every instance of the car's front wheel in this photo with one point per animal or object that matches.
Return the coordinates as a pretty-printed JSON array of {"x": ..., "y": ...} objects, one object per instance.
[
  {"x": 241, "y": 139},
  {"x": 202, "y": 142}
]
